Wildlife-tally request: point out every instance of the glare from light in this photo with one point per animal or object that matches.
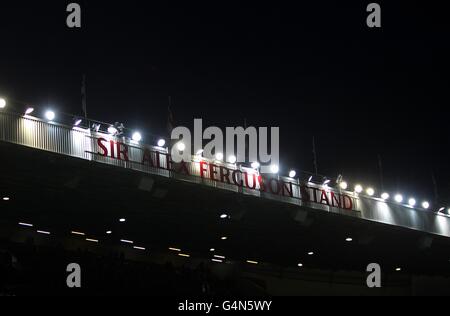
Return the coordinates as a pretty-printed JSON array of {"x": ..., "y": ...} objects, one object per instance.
[
  {"x": 292, "y": 174},
  {"x": 78, "y": 122},
  {"x": 232, "y": 159},
  {"x": 2, "y": 103},
  {"x": 219, "y": 156},
  {"x": 50, "y": 115},
  {"x": 127, "y": 241},
  {"x": 112, "y": 130},
  {"x": 29, "y": 111},
  {"x": 412, "y": 202},
  {"x": 181, "y": 146},
  {"x": 385, "y": 196},
  {"x": 358, "y": 188},
  {"x": 370, "y": 192},
  {"x": 26, "y": 224},
  {"x": 255, "y": 165},
  {"x": 399, "y": 198},
  {"x": 274, "y": 169},
  {"x": 343, "y": 185},
  {"x": 161, "y": 142},
  {"x": 137, "y": 137},
  {"x": 426, "y": 205}
]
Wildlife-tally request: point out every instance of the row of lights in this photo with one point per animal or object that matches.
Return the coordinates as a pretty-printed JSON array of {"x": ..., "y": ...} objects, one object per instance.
[{"x": 137, "y": 137}]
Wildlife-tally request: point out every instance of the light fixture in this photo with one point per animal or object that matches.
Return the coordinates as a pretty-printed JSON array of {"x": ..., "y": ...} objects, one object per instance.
[
  {"x": 412, "y": 202},
  {"x": 252, "y": 262},
  {"x": 137, "y": 137},
  {"x": 2, "y": 103},
  {"x": 122, "y": 220},
  {"x": 370, "y": 192},
  {"x": 224, "y": 238},
  {"x": 343, "y": 185},
  {"x": 219, "y": 257},
  {"x": 92, "y": 240},
  {"x": 398, "y": 269},
  {"x": 232, "y": 159},
  {"x": 217, "y": 260},
  {"x": 50, "y": 115},
  {"x": 43, "y": 232},
  {"x": 77, "y": 122},
  {"x": 255, "y": 165},
  {"x": 399, "y": 198},
  {"x": 274, "y": 169},
  {"x": 223, "y": 216},
  {"x": 112, "y": 130},
  {"x": 26, "y": 224},
  {"x": 126, "y": 241},
  {"x": 181, "y": 146},
  {"x": 175, "y": 249},
  {"x": 292, "y": 174},
  {"x": 139, "y": 248},
  {"x": 300, "y": 265},
  {"x": 310, "y": 253},
  {"x": 349, "y": 239},
  {"x": 212, "y": 250},
  {"x": 161, "y": 142},
  {"x": 385, "y": 196},
  {"x": 358, "y": 188},
  {"x": 109, "y": 232},
  {"x": 219, "y": 156},
  {"x": 6, "y": 198},
  {"x": 29, "y": 111},
  {"x": 426, "y": 205},
  {"x": 184, "y": 255},
  {"x": 77, "y": 233}
]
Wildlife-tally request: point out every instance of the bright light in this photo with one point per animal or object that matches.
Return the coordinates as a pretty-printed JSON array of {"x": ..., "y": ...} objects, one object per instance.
[
  {"x": 181, "y": 146},
  {"x": 224, "y": 238},
  {"x": 399, "y": 198},
  {"x": 29, "y": 111},
  {"x": 300, "y": 265},
  {"x": 274, "y": 169},
  {"x": 343, "y": 185},
  {"x": 50, "y": 115},
  {"x": 26, "y": 224},
  {"x": 370, "y": 192},
  {"x": 425, "y": 205},
  {"x": 127, "y": 241},
  {"x": 292, "y": 174},
  {"x": 161, "y": 143},
  {"x": 122, "y": 220},
  {"x": 43, "y": 232},
  {"x": 326, "y": 182},
  {"x": 6, "y": 198},
  {"x": 139, "y": 248},
  {"x": 109, "y": 232},
  {"x": 398, "y": 269},
  {"x": 2, "y": 103},
  {"x": 219, "y": 156},
  {"x": 92, "y": 240},
  {"x": 385, "y": 196},
  {"x": 252, "y": 262},
  {"x": 219, "y": 257},
  {"x": 310, "y": 253},
  {"x": 184, "y": 255},
  {"x": 77, "y": 233},
  {"x": 412, "y": 202},
  {"x": 200, "y": 152},
  {"x": 212, "y": 249},
  {"x": 310, "y": 178},
  {"x": 78, "y": 122},
  {"x": 441, "y": 209},
  {"x": 217, "y": 260},
  {"x": 175, "y": 249},
  {"x": 358, "y": 188},
  {"x": 137, "y": 137},
  {"x": 349, "y": 239},
  {"x": 223, "y": 216},
  {"x": 232, "y": 159},
  {"x": 255, "y": 165},
  {"x": 112, "y": 130}
]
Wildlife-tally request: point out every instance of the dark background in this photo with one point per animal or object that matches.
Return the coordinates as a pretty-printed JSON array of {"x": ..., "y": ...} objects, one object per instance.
[{"x": 313, "y": 69}]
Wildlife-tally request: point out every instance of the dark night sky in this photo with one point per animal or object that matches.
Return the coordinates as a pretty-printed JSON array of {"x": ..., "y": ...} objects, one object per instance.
[{"x": 309, "y": 69}]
